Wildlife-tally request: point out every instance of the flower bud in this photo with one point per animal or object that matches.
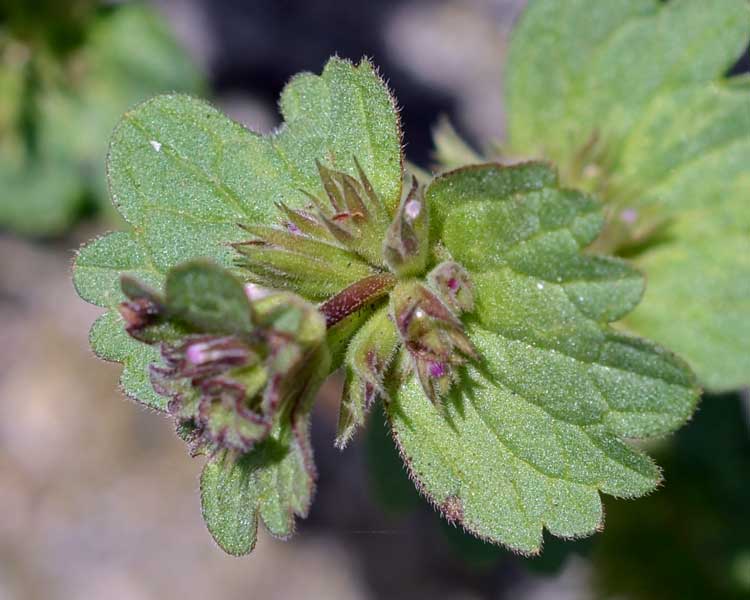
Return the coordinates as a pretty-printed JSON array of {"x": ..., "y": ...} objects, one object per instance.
[
  {"x": 210, "y": 383},
  {"x": 143, "y": 308},
  {"x": 432, "y": 334},
  {"x": 452, "y": 284},
  {"x": 406, "y": 244},
  {"x": 368, "y": 358},
  {"x": 227, "y": 391}
]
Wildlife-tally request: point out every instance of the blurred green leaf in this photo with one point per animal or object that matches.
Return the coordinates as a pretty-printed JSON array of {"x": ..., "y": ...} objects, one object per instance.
[
  {"x": 630, "y": 98},
  {"x": 389, "y": 481},
  {"x": 451, "y": 151},
  {"x": 39, "y": 198},
  {"x": 73, "y": 102}
]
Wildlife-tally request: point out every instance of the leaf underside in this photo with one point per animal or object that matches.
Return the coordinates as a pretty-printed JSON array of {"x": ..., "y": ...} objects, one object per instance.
[
  {"x": 535, "y": 431},
  {"x": 641, "y": 86}
]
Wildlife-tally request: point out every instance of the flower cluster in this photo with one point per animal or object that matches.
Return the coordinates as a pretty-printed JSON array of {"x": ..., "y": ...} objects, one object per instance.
[
  {"x": 232, "y": 373},
  {"x": 377, "y": 259},
  {"x": 231, "y": 360}
]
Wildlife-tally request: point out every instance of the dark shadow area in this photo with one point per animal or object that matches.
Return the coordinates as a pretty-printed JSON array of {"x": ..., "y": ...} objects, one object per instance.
[
  {"x": 265, "y": 42},
  {"x": 404, "y": 549},
  {"x": 742, "y": 65}
]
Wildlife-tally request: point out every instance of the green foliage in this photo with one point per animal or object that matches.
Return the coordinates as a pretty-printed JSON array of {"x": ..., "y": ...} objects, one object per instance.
[
  {"x": 532, "y": 433},
  {"x": 241, "y": 371},
  {"x": 272, "y": 483},
  {"x": 631, "y": 99},
  {"x": 451, "y": 151},
  {"x": 66, "y": 76},
  {"x": 388, "y": 481},
  {"x": 368, "y": 355},
  {"x": 183, "y": 175},
  {"x": 208, "y": 298},
  {"x": 467, "y": 307}
]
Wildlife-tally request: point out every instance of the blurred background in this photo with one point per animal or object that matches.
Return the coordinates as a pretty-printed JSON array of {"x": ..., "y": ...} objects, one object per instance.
[{"x": 99, "y": 499}]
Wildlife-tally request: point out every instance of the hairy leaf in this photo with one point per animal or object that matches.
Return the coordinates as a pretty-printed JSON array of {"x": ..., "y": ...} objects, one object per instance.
[
  {"x": 271, "y": 483},
  {"x": 536, "y": 429},
  {"x": 274, "y": 482},
  {"x": 184, "y": 176},
  {"x": 99, "y": 266},
  {"x": 208, "y": 298},
  {"x": 631, "y": 99}
]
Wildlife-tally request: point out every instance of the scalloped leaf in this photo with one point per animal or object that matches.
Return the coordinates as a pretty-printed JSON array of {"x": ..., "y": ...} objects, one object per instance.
[
  {"x": 631, "y": 99},
  {"x": 536, "y": 429},
  {"x": 183, "y": 176},
  {"x": 272, "y": 483}
]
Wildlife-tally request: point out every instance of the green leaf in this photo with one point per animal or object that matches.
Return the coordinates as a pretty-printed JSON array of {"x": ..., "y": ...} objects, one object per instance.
[
  {"x": 536, "y": 429},
  {"x": 208, "y": 298},
  {"x": 40, "y": 198},
  {"x": 631, "y": 99},
  {"x": 274, "y": 482},
  {"x": 47, "y": 184},
  {"x": 184, "y": 176},
  {"x": 110, "y": 342},
  {"x": 271, "y": 483},
  {"x": 100, "y": 264},
  {"x": 98, "y": 268}
]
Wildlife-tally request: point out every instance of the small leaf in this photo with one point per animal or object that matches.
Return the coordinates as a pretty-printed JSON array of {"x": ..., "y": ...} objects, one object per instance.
[
  {"x": 208, "y": 298},
  {"x": 534, "y": 430},
  {"x": 451, "y": 151},
  {"x": 274, "y": 482},
  {"x": 270, "y": 483},
  {"x": 636, "y": 106}
]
